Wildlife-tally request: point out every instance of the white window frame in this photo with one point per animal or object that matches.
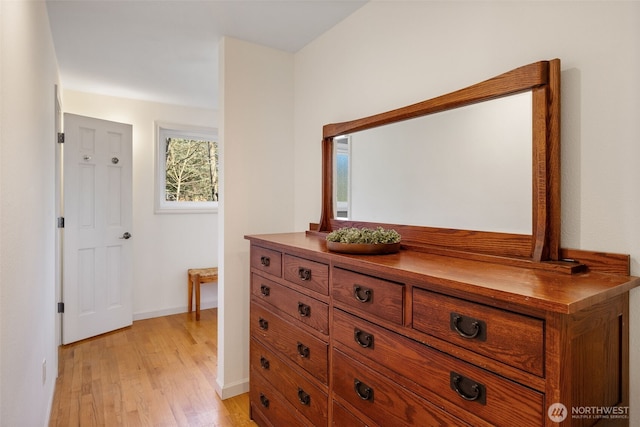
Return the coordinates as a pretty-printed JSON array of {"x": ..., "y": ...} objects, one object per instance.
[
  {"x": 171, "y": 130},
  {"x": 342, "y": 145}
]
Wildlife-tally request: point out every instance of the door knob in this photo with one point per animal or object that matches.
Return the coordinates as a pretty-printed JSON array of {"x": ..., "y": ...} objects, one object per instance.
[{"x": 126, "y": 235}]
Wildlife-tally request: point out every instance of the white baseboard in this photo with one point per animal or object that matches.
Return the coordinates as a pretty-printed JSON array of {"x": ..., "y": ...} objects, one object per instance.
[
  {"x": 174, "y": 310},
  {"x": 227, "y": 391}
]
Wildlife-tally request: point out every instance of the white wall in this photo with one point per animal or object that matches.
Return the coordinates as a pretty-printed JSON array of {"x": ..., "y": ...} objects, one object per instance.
[
  {"x": 390, "y": 54},
  {"x": 256, "y": 92},
  {"x": 28, "y": 74},
  {"x": 164, "y": 245}
]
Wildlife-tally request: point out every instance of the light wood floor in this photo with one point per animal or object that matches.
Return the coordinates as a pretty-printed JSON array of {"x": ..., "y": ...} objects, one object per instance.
[{"x": 158, "y": 372}]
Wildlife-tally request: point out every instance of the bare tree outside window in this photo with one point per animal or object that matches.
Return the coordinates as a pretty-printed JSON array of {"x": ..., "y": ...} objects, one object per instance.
[{"x": 191, "y": 167}]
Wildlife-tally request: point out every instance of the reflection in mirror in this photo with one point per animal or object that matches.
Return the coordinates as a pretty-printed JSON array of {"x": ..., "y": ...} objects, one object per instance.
[
  {"x": 343, "y": 183},
  {"x": 467, "y": 168}
]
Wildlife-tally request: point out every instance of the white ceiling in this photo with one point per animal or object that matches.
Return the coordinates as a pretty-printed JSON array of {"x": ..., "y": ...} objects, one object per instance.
[{"x": 167, "y": 50}]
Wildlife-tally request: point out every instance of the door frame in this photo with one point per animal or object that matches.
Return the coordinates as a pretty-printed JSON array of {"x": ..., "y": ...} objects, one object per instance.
[{"x": 59, "y": 206}]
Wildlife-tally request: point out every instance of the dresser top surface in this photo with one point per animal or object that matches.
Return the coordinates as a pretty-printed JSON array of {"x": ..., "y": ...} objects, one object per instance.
[{"x": 529, "y": 287}]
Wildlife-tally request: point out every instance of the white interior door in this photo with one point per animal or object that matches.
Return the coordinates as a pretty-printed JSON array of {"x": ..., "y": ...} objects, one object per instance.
[{"x": 97, "y": 265}]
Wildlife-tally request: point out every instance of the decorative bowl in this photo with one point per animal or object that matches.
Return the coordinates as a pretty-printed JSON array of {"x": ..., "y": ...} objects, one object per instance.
[{"x": 364, "y": 248}]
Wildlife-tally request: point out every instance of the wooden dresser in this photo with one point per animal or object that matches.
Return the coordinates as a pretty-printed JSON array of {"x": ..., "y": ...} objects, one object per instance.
[
  {"x": 416, "y": 338},
  {"x": 475, "y": 321}
]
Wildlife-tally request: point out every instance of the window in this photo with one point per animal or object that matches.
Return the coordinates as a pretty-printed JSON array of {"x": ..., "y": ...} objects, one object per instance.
[
  {"x": 342, "y": 175},
  {"x": 187, "y": 169}
]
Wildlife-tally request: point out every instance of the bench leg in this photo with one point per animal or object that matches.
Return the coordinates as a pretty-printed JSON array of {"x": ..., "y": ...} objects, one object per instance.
[
  {"x": 196, "y": 283},
  {"x": 190, "y": 284}
]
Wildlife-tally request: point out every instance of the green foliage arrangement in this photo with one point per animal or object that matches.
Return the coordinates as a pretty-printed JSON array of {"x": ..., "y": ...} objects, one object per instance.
[{"x": 364, "y": 235}]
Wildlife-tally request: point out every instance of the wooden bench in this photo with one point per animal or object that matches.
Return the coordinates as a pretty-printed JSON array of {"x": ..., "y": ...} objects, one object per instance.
[{"x": 197, "y": 276}]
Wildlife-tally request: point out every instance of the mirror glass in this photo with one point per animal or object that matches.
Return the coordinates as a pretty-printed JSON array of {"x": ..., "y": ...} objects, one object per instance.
[{"x": 466, "y": 168}]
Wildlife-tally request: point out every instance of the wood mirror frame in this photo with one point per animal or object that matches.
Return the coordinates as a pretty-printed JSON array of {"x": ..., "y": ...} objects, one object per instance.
[{"x": 543, "y": 244}]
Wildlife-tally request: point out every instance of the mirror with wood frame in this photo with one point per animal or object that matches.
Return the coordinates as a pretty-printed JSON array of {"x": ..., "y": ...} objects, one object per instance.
[{"x": 531, "y": 231}]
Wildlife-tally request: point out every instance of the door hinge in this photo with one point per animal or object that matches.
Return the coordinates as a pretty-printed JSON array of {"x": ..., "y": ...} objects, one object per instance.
[
  {"x": 60, "y": 137},
  {"x": 60, "y": 307},
  {"x": 60, "y": 222}
]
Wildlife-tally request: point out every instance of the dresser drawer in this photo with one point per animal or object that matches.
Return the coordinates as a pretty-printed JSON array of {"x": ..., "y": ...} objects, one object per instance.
[
  {"x": 381, "y": 298},
  {"x": 266, "y": 260},
  {"x": 300, "y": 307},
  {"x": 342, "y": 417},
  {"x": 270, "y": 408},
  {"x": 298, "y": 346},
  {"x": 493, "y": 398},
  {"x": 306, "y": 273},
  {"x": 302, "y": 394},
  {"x": 381, "y": 400},
  {"x": 511, "y": 338}
]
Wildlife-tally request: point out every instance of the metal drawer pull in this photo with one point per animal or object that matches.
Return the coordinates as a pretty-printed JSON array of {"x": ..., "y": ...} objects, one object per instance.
[
  {"x": 265, "y": 261},
  {"x": 359, "y": 291},
  {"x": 304, "y": 310},
  {"x": 265, "y": 290},
  {"x": 468, "y": 327},
  {"x": 363, "y": 391},
  {"x": 304, "y": 397},
  {"x": 467, "y": 388},
  {"x": 263, "y": 323},
  {"x": 264, "y": 401},
  {"x": 304, "y": 274},
  {"x": 303, "y": 351},
  {"x": 363, "y": 339},
  {"x": 264, "y": 362}
]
